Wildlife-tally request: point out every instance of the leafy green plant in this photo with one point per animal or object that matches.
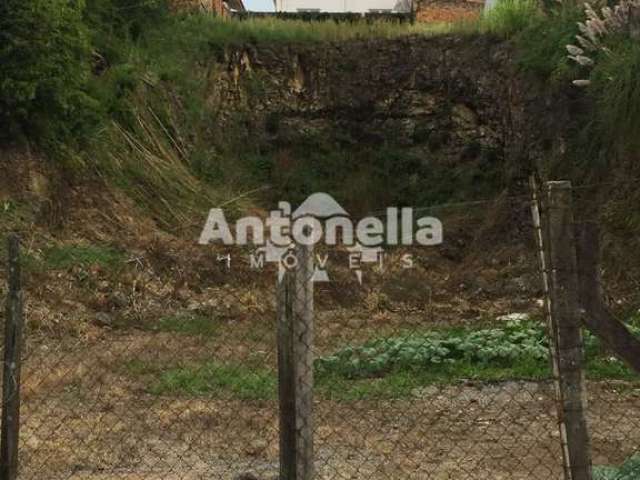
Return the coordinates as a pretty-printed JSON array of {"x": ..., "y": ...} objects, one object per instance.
[
  {"x": 630, "y": 470},
  {"x": 515, "y": 350},
  {"x": 500, "y": 346}
]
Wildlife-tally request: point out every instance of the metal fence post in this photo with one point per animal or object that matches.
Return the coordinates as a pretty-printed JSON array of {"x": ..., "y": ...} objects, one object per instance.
[
  {"x": 295, "y": 367},
  {"x": 566, "y": 323},
  {"x": 10, "y": 430}
]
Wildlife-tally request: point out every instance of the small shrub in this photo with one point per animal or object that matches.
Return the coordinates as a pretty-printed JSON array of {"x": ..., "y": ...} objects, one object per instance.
[
  {"x": 540, "y": 45},
  {"x": 44, "y": 65},
  {"x": 124, "y": 18},
  {"x": 608, "y": 52},
  {"x": 615, "y": 87},
  {"x": 622, "y": 21}
]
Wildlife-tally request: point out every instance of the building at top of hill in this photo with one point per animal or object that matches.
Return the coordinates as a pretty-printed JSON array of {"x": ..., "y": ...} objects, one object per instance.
[{"x": 344, "y": 6}]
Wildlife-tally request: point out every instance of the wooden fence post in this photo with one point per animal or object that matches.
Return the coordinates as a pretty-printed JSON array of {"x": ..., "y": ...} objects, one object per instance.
[
  {"x": 565, "y": 317},
  {"x": 295, "y": 367},
  {"x": 596, "y": 316},
  {"x": 10, "y": 429},
  {"x": 541, "y": 236}
]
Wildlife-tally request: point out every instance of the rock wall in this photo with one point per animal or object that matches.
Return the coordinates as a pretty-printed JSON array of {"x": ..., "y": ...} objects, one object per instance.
[{"x": 454, "y": 102}]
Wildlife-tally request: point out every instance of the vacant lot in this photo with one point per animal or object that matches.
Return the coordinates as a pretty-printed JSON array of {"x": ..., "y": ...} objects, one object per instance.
[{"x": 190, "y": 399}]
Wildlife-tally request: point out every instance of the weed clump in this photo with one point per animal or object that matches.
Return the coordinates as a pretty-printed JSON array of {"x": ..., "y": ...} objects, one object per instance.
[
  {"x": 510, "y": 17},
  {"x": 68, "y": 256}
]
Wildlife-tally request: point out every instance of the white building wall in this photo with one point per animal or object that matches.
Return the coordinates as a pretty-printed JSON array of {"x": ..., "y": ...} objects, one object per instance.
[{"x": 356, "y": 6}]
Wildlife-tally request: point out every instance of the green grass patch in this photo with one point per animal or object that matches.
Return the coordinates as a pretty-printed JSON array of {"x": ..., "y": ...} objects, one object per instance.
[
  {"x": 400, "y": 383},
  {"x": 208, "y": 31},
  {"x": 187, "y": 324},
  {"x": 217, "y": 380},
  {"x": 509, "y": 17},
  {"x": 391, "y": 368},
  {"x": 67, "y": 256}
]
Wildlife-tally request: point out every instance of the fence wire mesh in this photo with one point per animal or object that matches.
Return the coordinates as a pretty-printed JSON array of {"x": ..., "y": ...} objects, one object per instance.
[
  {"x": 188, "y": 392},
  {"x": 422, "y": 364},
  {"x": 431, "y": 364},
  {"x": 613, "y": 387}
]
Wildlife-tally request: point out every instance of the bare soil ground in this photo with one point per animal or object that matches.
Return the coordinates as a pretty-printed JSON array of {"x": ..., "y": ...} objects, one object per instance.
[{"x": 86, "y": 417}]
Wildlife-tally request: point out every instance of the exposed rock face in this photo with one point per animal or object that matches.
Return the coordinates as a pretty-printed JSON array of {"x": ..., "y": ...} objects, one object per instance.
[{"x": 456, "y": 104}]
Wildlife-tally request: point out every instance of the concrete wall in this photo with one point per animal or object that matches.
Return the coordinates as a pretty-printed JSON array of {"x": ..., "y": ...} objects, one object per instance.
[{"x": 356, "y": 6}]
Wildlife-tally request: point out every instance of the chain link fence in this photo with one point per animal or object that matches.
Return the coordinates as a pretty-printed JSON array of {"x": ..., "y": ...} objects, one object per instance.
[{"x": 415, "y": 363}]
